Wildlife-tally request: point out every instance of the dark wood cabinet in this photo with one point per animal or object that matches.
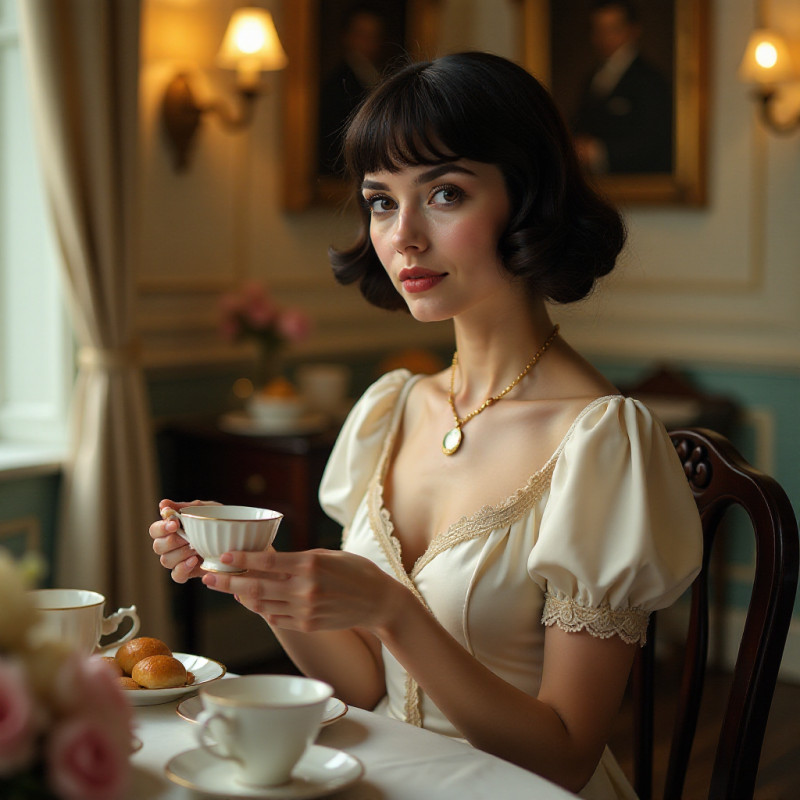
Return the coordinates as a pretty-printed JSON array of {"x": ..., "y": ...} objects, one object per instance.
[{"x": 198, "y": 460}]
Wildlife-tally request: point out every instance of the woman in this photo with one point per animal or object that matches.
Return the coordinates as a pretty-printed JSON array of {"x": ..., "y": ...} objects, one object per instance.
[{"x": 510, "y": 522}]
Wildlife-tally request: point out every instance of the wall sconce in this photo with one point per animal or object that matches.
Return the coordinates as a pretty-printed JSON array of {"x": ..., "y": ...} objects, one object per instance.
[
  {"x": 250, "y": 46},
  {"x": 767, "y": 63}
]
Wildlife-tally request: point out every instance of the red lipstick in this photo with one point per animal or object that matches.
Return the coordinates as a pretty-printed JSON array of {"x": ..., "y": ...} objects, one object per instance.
[{"x": 417, "y": 279}]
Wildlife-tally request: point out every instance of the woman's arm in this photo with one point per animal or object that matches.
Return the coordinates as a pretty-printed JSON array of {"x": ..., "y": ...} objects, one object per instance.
[
  {"x": 349, "y": 660},
  {"x": 560, "y": 734}
]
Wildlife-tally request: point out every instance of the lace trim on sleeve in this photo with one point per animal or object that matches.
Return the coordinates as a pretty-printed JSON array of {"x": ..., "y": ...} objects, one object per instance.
[{"x": 630, "y": 624}]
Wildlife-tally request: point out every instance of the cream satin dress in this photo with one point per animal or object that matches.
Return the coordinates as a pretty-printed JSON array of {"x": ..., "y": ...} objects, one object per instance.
[{"x": 601, "y": 535}]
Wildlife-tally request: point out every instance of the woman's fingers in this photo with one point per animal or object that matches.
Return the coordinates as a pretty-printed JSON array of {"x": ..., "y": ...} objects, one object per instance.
[
  {"x": 276, "y": 563},
  {"x": 307, "y": 590},
  {"x": 170, "y": 542},
  {"x": 166, "y": 503},
  {"x": 189, "y": 568},
  {"x": 171, "y": 525},
  {"x": 258, "y": 593},
  {"x": 173, "y": 551}
]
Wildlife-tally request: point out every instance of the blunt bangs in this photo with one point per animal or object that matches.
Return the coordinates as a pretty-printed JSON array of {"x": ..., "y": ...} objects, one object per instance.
[{"x": 408, "y": 122}]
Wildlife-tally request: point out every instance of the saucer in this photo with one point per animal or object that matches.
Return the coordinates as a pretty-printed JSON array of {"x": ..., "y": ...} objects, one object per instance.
[
  {"x": 321, "y": 771},
  {"x": 243, "y": 423},
  {"x": 205, "y": 670},
  {"x": 191, "y": 707}
]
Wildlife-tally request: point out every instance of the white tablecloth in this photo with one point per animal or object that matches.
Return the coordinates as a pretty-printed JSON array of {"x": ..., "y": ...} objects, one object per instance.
[{"x": 401, "y": 762}]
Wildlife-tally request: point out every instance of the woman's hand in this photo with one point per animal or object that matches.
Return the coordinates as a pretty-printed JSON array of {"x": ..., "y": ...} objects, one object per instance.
[
  {"x": 175, "y": 552},
  {"x": 312, "y": 590}
]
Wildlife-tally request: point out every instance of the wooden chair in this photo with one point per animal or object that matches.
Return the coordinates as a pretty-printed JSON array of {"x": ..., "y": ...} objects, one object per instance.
[{"x": 719, "y": 478}]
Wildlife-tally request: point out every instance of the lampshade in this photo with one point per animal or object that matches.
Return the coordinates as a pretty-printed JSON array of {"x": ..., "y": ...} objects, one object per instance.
[
  {"x": 767, "y": 59},
  {"x": 251, "y": 45}
]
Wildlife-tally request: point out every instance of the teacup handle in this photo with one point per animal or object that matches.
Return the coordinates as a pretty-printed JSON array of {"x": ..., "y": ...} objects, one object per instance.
[
  {"x": 112, "y": 622},
  {"x": 171, "y": 513},
  {"x": 215, "y": 747}
]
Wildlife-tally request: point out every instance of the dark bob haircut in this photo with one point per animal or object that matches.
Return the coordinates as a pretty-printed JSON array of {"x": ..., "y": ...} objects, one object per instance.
[{"x": 561, "y": 236}]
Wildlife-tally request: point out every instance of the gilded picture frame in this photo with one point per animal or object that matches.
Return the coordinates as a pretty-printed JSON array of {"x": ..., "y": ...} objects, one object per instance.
[
  {"x": 546, "y": 38},
  {"x": 311, "y": 34}
]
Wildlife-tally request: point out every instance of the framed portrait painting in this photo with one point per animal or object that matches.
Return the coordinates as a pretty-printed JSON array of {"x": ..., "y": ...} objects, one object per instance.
[
  {"x": 630, "y": 78},
  {"x": 336, "y": 50}
]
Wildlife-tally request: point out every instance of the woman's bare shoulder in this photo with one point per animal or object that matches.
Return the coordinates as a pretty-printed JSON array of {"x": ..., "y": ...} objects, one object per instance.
[
  {"x": 572, "y": 379},
  {"x": 572, "y": 383}
]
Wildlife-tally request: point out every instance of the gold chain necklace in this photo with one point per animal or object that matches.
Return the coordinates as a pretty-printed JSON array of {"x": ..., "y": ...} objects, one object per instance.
[{"x": 453, "y": 438}]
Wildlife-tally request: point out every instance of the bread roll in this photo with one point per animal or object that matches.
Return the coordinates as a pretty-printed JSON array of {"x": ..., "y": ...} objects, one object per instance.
[
  {"x": 128, "y": 683},
  {"x": 137, "y": 649},
  {"x": 159, "y": 672}
]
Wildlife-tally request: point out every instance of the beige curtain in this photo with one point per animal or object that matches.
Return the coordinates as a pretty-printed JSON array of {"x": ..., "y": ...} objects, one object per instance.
[{"x": 82, "y": 58}]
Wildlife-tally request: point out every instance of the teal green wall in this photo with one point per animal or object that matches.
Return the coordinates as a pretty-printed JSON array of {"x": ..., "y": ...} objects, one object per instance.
[{"x": 22, "y": 499}]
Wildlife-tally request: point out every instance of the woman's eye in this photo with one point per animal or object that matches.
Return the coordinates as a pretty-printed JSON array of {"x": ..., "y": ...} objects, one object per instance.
[
  {"x": 378, "y": 203},
  {"x": 446, "y": 195}
]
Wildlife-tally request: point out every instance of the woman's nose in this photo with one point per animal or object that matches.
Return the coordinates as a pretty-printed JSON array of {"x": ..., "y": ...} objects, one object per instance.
[{"x": 409, "y": 231}]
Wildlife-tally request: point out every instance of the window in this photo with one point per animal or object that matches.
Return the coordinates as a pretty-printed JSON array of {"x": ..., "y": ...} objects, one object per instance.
[{"x": 36, "y": 361}]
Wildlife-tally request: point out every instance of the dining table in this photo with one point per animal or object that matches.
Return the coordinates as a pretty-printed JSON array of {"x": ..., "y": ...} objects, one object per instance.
[{"x": 395, "y": 761}]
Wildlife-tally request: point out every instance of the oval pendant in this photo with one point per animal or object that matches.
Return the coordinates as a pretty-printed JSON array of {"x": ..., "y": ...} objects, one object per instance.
[{"x": 452, "y": 441}]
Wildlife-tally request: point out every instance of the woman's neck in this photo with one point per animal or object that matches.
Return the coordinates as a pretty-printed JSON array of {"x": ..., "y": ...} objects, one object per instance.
[{"x": 492, "y": 353}]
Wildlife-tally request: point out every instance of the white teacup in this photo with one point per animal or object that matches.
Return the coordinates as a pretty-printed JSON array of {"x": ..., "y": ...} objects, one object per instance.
[
  {"x": 325, "y": 386},
  {"x": 75, "y": 616},
  {"x": 263, "y": 723},
  {"x": 214, "y": 530}
]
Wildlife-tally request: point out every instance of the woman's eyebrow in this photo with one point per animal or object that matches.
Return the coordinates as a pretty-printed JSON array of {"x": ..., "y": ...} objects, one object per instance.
[
  {"x": 368, "y": 184},
  {"x": 441, "y": 169},
  {"x": 424, "y": 177}
]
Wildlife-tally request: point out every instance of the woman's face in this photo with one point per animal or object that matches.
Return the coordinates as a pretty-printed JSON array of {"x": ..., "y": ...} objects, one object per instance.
[{"x": 436, "y": 229}]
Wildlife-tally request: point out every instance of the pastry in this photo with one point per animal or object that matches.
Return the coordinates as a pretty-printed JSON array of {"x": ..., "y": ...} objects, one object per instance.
[
  {"x": 159, "y": 672},
  {"x": 137, "y": 649}
]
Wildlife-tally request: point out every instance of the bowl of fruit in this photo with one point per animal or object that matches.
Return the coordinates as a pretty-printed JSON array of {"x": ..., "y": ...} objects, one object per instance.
[{"x": 276, "y": 403}]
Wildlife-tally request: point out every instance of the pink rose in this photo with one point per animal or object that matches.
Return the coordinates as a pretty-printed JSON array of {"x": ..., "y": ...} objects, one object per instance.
[
  {"x": 259, "y": 310},
  {"x": 108, "y": 700},
  {"x": 17, "y": 718},
  {"x": 85, "y": 763},
  {"x": 294, "y": 325},
  {"x": 86, "y": 687}
]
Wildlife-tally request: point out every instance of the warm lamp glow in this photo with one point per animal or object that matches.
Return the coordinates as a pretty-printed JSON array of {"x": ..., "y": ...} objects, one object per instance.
[
  {"x": 767, "y": 60},
  {"x": 766, "y": 55},
  {"x": 251, "y": 45},
  {"x": 767, "y": 63}
]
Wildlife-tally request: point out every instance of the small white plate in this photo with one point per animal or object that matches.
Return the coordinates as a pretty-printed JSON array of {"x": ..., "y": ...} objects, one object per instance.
[
  {"x": 191, "y": 707},
  {"x": 205, "y": 670},
  {"x": 241, "y": 422},
  {"x": 321, "y": 771}
]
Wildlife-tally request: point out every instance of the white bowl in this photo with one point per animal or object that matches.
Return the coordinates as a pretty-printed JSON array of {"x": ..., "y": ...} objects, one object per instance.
[{"x": 276, "y": 410}]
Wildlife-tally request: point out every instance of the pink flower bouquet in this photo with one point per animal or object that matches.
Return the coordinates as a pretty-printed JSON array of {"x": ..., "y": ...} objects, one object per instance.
[
  {"x": 251, "y": 312},
  {"x": 65, "y": 725}
]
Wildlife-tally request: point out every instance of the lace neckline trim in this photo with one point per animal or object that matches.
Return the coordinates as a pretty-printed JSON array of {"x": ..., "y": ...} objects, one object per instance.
[{"x": 469, "y": 526}]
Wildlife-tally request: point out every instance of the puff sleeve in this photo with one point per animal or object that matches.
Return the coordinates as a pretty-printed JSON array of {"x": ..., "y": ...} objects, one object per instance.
[
  {"x": 358, "y": 447},
  {"x": 620, "y": 535}
]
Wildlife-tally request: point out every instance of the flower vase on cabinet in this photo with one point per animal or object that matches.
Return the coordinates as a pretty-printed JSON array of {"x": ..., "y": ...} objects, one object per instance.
[{"x": 252, "y": 314}]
